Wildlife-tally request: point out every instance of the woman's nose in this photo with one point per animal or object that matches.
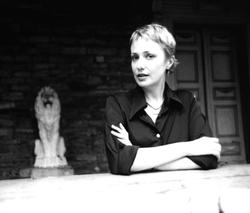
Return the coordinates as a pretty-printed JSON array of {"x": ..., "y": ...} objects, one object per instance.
[{"x": 140, "y": 65}]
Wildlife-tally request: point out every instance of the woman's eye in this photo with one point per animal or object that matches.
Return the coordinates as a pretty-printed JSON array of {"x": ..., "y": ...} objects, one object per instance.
[
  {"x": 149, "y": 56},
  {"x": 134, "y": 57}
]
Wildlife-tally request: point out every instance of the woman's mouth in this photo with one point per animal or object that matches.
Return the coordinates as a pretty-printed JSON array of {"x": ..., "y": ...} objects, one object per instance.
[{"x": 141, "y": 76}]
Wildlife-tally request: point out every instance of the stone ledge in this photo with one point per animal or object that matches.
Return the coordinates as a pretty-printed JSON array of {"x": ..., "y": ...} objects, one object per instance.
[{"x": 226, "y": 189}]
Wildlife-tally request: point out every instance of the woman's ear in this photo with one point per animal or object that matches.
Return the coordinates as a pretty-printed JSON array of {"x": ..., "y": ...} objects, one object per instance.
[
  {"x": 169, "y": 63},
  {"x": 168, "y": 72}
]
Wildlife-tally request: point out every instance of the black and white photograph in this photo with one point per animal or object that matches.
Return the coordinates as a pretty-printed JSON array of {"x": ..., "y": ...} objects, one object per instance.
[{"x": 124, "y": 106}]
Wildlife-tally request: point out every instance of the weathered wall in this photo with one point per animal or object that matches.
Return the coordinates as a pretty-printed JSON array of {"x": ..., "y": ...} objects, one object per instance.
[{"x": 83, "y": 62}]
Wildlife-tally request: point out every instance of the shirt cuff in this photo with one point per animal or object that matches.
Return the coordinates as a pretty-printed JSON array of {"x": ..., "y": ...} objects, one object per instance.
[
  {"x": 126, "y": 158},
  {"x": 205, "y": 161}
]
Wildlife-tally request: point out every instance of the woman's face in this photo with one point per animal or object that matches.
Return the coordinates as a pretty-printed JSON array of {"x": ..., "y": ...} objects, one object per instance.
[{"x": 148, "y": 62}]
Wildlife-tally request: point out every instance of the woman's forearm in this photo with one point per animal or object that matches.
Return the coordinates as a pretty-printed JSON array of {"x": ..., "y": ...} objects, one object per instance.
[
  {"x": 170, "y": 155},
  {"x": 160, "y": 156},
  {"x": 180, "y": 164},
  {"x": 152, "y": 157}
]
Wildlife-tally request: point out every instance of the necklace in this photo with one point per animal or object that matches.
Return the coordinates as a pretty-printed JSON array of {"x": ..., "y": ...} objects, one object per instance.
[{"x": 154, "y": 107}]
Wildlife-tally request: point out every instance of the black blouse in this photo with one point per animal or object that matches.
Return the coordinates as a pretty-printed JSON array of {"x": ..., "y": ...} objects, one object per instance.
[{"x": 179, "y": 120}]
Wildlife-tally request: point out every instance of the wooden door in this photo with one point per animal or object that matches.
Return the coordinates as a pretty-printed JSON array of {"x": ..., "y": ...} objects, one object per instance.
[{"x": 208, "y": 68}]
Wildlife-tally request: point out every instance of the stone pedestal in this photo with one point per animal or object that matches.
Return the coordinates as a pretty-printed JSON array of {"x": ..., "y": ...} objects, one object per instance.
[{"x": 37, "y": 172}]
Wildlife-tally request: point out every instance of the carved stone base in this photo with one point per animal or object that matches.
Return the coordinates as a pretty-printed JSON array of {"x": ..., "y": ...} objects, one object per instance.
[{"x": 37, "y": 172}]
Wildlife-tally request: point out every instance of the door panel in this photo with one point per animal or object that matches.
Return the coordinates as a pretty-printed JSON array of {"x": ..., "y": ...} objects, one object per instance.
[
  {"x": 188, "y": 73},
  {"x": 222, "y": 88},
  {"x": 208, "y": 68}
]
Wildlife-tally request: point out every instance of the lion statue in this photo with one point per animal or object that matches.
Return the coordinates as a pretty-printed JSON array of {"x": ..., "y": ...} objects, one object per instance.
[{"x": 50, "y": 149}]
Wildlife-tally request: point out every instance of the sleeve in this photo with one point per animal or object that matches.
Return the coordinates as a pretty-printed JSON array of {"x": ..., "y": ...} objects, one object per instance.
[
  {"x": 199, "y": 127},
  {"x": 120, "y": 157}
]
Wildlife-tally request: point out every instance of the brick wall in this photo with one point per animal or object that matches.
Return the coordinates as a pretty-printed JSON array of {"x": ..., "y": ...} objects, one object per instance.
[{"x": 84, "y": 63}]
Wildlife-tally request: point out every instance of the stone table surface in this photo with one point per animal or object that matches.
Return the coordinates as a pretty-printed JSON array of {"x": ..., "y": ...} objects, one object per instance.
[{"x": 225, "y": 189}]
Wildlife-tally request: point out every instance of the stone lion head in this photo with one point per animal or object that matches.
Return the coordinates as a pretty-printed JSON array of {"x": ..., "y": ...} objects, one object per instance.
[{"x": 47, "y": 106}]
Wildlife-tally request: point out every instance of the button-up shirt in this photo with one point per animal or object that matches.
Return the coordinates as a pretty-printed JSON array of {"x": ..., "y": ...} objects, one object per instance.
[{"x": 179, "y": 120}]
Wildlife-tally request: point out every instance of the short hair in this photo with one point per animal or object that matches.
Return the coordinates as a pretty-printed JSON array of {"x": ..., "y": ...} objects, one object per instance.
[{"x": 159, "y": 34}]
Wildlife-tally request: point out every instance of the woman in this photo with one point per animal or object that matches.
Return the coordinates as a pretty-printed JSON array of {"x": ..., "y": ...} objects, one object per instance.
[{"x": 151, "y": 126}]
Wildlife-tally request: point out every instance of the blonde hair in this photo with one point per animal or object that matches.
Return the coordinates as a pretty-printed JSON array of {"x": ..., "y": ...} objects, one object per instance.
[{"x": 160, "y": 35}]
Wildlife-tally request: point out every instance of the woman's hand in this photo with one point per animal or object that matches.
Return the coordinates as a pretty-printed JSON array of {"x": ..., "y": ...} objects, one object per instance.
[
  {"x": 205, "y": 146},
  {"x": 121, "y": 134}
]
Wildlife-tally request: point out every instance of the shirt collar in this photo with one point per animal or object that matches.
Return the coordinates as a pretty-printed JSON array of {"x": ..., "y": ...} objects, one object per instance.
[{"x": 139, "y": 102}]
